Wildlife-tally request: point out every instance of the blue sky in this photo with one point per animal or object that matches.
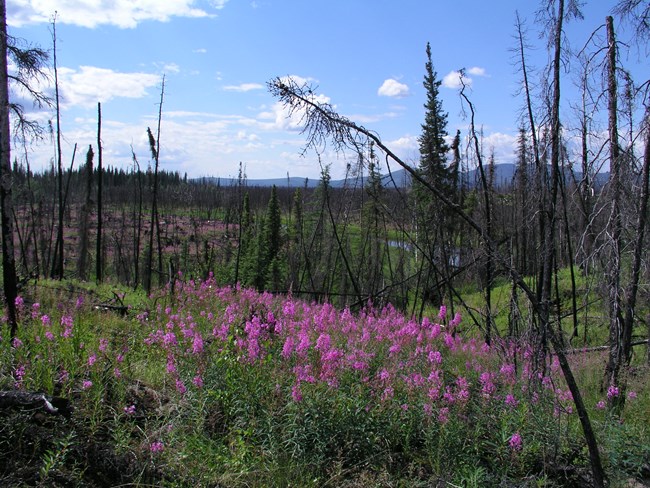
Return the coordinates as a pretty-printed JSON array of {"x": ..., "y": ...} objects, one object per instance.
[{"x": 366, "y": 58}]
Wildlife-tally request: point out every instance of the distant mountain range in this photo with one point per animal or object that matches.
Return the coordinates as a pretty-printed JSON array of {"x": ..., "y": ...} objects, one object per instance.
[{"x": 503, "y": 176}]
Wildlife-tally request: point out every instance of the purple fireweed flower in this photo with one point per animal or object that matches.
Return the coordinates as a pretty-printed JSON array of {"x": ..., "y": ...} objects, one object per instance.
[
  {"x": 197, "y": 381},
  {"x": 180, "y": 387},
  {"x": 35, "y": 310},
  {"x": 448, "y": 396},
  {"x": 601, "y": 405},
  {"x": 19, "y": 374},
  {"x": 48, "y": 335},
  {"x": 288, "y": 308},
  {"x": 103, "y": 345},
  {"x": 508, "y": 373},
  {"x": 197, "y": 344},
  {"x": 448, "y": 339},
  {"x": 613, "y": 392},
  {"x": 156, "y": 447},
  {"x": 487, "y": 385},
  {"x": 117, "y": 373},
  {"x": 254, "y": 349},
  {"x": 92, "y": 359},
  {"x": 384, "y": 375},
  {"x": 86, "y": 384},
  {"x": 359, "y": 365},
  {"x": 130, "y": 410},
  {"x": 171, "y": 364},
  {"x": 16, "y": 343},
  {"x": 435, "y": 331},
  {"x": 387, "y": 394},
  {"x": 80, "y": 302},
  {"x": 435, "y": 357},
  {"x": 169, "y": 339},
  {"x": 296, "y": 394},
  {"x": 323, "y": 343},
  {"x": 458, "y": 318},
  {"x": 19, "y": 302},
  {"x": 462, "y": 395},
  {"x": 631, "y": 395},
  {"x": 511, "y": 401},
  {"x": 303, "y": 373},
  {"x": 515, "y": 442},
  {"x": 433, "y": 393},
  {"x": 443, "y": 415},
  {"x": 443, "y": 312},
  {"x": 45, "y": 320},
  {"x": 303, "y": 343},
  {"x": 394, "y": 349},
  {"x": 68, "y": 324}
]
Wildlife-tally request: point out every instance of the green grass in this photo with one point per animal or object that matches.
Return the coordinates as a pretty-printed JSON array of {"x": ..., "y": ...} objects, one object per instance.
[{"x": 245, "y": 427}]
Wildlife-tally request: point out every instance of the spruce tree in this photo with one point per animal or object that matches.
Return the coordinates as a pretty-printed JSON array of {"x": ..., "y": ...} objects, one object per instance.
[
  {"x": 272, "y": 241},
  {"x": 432, "y": 224},
  {"x": 433, "y": 147}
]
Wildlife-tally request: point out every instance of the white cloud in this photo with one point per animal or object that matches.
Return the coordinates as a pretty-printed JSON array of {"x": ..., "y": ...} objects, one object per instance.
[
  {"x": 89, "y": 85},
  {"x": 282, "y": 118},
  {"x": 476, "y": 71},
  {"x": 504, "y": 145},
  {"x": 298, "y": 80},
  {"x": 171, "y": 68},
  {"x": 200, "y": 50},
  {"x": 453, "y": 80},
  {"x": 244, "y": 87},
  {"x": 91, "y": 13},
  {"x": 393, "y": 88},
  {"x": 374, "y": 118}
]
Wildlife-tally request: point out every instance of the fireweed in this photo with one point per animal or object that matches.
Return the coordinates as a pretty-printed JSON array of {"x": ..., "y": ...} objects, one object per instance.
[
  {"x": 310, "y": 381},
  {"x": 248, "y": 347}
]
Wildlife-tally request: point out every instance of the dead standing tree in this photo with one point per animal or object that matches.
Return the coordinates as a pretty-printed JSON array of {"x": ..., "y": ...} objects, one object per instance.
[
  {"x": 154, "y": 146},
  {"x": 28, "y": 66},
  {"x": 323, "y": 127}
]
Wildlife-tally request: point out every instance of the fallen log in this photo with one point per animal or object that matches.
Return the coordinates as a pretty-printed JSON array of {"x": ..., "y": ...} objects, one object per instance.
[{"x": 35, "y": 400}]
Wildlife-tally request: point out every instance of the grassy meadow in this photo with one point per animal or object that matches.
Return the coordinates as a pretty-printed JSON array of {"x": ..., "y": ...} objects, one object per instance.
[{"x": 205, "y": 385}]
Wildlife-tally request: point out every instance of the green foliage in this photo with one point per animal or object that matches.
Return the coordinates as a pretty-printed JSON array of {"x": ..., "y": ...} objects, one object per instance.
[{"x": 137, "y": 405}]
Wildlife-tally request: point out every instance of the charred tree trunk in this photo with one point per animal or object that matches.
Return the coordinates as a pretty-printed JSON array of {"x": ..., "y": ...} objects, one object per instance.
[
  {"x": 82, "y": 263},
  {"x": 6, "y": 201},
  {"x": 57, "y": 265},
  {"x": 615, "y": 225},
  {"x": 100, "y": 174},
  {"x": 137, "y": 220}
]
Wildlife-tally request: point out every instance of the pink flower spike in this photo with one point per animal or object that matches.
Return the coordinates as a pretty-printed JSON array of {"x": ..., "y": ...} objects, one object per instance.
[
  {"x": 180, "y": 387},
  {"x": 296, "y": 394},
  {"x": 443, "y": 312},
  {"x": 515, "y": 442},
  {"x": 156, "y": 447},
  {"x": 613, "y": 392},
  {"x": 87, "y": 384},
  {"x": 511, "y": 401}
]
